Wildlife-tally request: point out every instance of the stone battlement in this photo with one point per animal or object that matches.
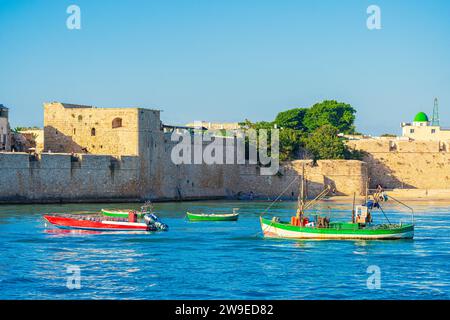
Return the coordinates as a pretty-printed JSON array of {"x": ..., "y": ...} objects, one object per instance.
[
  {"x": 394, "y": 145},
  {"x": 22, "y": 160}
]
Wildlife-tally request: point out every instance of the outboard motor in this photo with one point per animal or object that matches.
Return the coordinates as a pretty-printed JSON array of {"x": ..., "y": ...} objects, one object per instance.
[
  {"x": 152, "y": 227},
  {"x": 149, "y": 219},
  {"x": 161, "y": 226},
  {"x": 152, "y": 220}
]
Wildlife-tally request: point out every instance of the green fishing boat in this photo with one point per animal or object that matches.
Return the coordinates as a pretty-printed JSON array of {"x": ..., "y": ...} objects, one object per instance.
[
  {"x": 123, "y": 213},
  {"x": 338, "y": 230},
  {"x": 213, "y": 216},
  {"x": 119, "y": 213},
  {"x": 360, "y": 226}
]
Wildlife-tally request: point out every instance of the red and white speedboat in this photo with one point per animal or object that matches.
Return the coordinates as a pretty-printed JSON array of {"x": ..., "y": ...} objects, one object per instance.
[{"x": 98, "y": 223}]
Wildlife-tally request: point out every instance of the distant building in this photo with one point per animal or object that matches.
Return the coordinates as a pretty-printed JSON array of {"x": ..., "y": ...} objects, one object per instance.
[
  {"x": 5, "y": 132},
  {"x": 215, "y": 125},
  {"x": 33, "y": 139},
  {"x": 422, "y": 129}
]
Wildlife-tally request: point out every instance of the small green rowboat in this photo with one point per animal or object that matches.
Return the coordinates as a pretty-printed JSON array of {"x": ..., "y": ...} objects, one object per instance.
[
  {"x": 119, "y": 213},
  {"x": 212, "y": 217}
]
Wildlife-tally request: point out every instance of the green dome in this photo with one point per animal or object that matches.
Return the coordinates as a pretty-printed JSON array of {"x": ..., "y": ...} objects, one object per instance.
[{"x": 421, "y": 117}]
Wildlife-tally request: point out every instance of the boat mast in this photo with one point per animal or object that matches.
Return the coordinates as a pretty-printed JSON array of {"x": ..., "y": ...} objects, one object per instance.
[
  {"x": 353, "y": 207},
  {"x": 301, "y": 195},
  {"x": 367, "y": 191}
]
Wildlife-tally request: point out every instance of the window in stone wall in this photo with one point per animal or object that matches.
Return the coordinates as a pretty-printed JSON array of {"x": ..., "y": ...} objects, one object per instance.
[
  {"x": 74, "y": 131},
  {"x": 117, "y": 123},
  {"x": 93, "y": 132},
  {"x": 80, "y": 118},
  {"x": 433, "y": 130},
  {"x": 411, "y": 131}
]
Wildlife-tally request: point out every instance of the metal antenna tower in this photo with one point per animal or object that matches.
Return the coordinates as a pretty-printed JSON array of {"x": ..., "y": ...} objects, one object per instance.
[{"x": 435, "y": 119}]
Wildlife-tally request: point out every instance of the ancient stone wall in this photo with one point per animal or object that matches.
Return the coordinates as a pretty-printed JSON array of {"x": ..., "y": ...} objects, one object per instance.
[
  {"x": 345, "y": 178},
  {"x": 406, "y": 164},
  {"x": 123, "y": 154},
  {"x": 60, "y": 177}
]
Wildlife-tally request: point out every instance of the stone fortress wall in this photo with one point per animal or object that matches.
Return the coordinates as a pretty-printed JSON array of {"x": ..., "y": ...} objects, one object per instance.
[
  {"x": 132, "y": 162},
  {"x": 60, "y": 177},
  {"x": 53, "y": 177},
  {"x": 406, "y": 164},
  {"x": 233, "y": 180}
]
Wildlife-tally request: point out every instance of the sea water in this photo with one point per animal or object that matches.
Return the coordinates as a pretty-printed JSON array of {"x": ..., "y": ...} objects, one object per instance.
[{"x": 221, "y": 260}]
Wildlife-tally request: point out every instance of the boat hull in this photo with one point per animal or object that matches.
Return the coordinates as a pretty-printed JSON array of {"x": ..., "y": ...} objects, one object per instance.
[
  {"x": 287, "y": 231},
  {"x": 212, "y": 217},
  {"x": 104, "y": 225},
  {"x": 117, "y": 213}
]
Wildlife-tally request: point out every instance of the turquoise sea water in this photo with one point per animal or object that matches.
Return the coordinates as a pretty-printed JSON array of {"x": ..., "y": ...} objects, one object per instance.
[{"x": 220, "y": 260}]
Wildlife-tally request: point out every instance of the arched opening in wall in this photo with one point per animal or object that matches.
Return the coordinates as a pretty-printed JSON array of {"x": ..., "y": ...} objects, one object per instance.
[
  {"x": 117, "y": 123},
  {"x": 392, "y": 146},
  {"x": 74, "y": 131},
  {"x": 80, "y": 118},
  {"x": 93, "y": 132}
]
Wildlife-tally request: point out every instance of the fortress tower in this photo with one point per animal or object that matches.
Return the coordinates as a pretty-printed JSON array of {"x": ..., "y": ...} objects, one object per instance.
[
  {"x": 71, "y": 128},
  {"x": 5, "y": 135}
]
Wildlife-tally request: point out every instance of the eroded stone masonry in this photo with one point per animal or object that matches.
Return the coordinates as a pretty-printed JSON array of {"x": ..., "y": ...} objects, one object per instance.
[
  {"x": 124, "y": 154},
  {"x": 406, "y": 164}
]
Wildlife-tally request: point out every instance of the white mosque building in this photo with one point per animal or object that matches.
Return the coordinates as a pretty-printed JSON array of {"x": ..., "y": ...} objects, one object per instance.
[{"x": 422, "y": 129}]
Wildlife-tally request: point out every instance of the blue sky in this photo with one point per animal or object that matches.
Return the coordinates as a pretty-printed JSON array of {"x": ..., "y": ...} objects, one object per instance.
[{"x": 227, "y": 60}]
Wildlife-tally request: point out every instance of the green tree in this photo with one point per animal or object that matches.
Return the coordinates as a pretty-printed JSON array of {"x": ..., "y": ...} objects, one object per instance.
[
  {"x": 324, "y": 143},
  {"x": 292, "y": 119},
  {"x": 290, "y": 143},
  {"x": 290, "y": 139},
  {"x": 247, "y": 124},
  {"x": 338, "y": 114},
  {"x": 16, "y": 129},
  {"x": 307, "y": 127}
]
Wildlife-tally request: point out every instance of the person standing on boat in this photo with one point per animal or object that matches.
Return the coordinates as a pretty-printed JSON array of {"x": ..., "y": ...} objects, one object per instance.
[
  {"x": 381, "y": 194},
  {"x": 132, "y": 216}
]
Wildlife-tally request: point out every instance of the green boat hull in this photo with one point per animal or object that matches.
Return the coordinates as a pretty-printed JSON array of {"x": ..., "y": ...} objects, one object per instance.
[
  {"x": 272, "y": 229},
  {"x": 116, "y": 213},
  {"x": 212, "y": 217}
]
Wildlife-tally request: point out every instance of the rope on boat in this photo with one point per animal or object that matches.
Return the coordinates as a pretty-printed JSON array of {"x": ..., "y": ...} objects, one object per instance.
[
  {"x": 321, "y": 195},
  {"x": 379, "y": 206},
  {"x": 403, "y": 204},
  {"x": 276, "y": 199},
  {"x": 279, "y": 196}
]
